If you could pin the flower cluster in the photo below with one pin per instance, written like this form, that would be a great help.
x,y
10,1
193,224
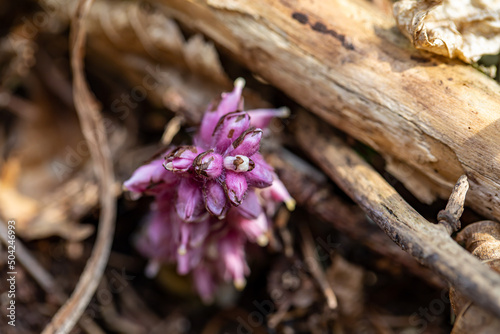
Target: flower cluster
x,y
211,197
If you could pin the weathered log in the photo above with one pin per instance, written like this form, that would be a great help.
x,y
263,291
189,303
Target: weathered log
x,y
430,244
433,119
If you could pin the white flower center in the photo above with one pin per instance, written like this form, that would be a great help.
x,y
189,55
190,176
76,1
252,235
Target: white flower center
x,y
239,163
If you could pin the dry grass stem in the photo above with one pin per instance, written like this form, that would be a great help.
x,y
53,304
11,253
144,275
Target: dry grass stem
x,y
95,134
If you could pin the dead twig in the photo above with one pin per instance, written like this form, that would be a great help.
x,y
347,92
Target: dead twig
x,y
309,187
171,129
314,266
430,244
95,134
450,216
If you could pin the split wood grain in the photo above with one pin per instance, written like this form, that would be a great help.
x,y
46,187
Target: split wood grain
x,y
429,243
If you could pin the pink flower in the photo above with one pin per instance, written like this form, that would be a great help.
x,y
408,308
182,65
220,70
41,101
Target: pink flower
x,y
233,265
150,179
212,197
226,163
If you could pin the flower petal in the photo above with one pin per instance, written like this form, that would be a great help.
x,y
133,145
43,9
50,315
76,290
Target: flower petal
x,y
232,101
232,251
187,257
239,163
230,127
150,242
262,175
235,187
229,102
215,199
255,229
189,204
278,192
204,282
261,118
150,178
251,207
199,233
181,159
208,164
248,143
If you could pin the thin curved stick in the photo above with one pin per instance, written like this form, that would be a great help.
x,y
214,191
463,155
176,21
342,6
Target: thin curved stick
x,y
95,135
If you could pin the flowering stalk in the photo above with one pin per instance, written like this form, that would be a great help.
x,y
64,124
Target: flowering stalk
x,y
212,197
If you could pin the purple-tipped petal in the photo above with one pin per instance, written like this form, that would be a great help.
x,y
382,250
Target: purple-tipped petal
x,y
164,201
204,282
262,175
232,251
156,238
232,101
238,120
239,163
255,229
185,235
278,193
229,102
261,118
192,235
189,204
147,177
248,143
229,128
208,164
181,159
204,137
251,207
199,233
215,199
186,261
235,187
151,237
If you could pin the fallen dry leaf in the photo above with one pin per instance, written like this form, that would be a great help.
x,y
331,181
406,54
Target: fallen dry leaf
x,y
464,29
12,203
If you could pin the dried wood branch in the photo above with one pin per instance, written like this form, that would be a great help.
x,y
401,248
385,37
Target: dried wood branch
x,y
430,244
95,134
432,119
317,272
309,187
450,216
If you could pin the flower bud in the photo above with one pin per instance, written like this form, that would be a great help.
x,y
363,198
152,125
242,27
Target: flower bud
x,y
248,143
239,163
229,128
181,159
208,164
189,204
235,187
215,199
